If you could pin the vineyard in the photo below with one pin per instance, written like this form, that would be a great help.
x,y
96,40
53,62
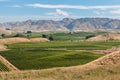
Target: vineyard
x,y
3,67
26,56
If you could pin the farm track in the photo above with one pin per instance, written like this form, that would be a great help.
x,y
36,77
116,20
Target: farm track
x,y
8,64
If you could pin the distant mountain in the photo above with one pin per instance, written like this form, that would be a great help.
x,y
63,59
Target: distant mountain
x,y
67,24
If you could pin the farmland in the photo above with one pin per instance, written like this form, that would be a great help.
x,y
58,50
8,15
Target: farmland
x,y
59,36
45,55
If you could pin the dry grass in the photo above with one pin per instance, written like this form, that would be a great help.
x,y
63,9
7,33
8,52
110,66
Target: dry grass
x,y
110,59
105,37
13,40
98,73
2,48
39,40
20,40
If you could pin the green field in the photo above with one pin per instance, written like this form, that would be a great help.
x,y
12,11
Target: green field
x,y
54,54
74,45
41,59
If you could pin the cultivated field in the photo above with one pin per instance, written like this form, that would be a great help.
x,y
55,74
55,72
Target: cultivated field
x,y
27,56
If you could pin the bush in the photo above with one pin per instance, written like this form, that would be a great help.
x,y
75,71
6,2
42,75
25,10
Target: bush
x,y
51,38
44,36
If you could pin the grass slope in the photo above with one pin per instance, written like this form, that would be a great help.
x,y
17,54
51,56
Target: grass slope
x,y
99,73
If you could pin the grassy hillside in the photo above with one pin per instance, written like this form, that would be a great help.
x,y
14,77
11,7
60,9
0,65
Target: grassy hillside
x,y
99,73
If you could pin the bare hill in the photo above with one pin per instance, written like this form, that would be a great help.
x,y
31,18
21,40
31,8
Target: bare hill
x,y
67,24
105,37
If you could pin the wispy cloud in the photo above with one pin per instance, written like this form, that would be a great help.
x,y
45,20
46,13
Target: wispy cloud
x,y
99,12
16,6
39,17
72,6
58,12
117,11
27,17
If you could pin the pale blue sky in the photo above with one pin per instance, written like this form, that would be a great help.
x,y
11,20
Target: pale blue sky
x,y
20,10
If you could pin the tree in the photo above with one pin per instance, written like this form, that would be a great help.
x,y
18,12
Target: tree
x,y
17,35
51,38
29,32
3,35
87,37
7,28
44,36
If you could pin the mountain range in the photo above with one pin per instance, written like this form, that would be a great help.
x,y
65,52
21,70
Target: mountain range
x,y
67,24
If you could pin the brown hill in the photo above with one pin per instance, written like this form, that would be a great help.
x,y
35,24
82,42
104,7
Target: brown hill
x,y
106,37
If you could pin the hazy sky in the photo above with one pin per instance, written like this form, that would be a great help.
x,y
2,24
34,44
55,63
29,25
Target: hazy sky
x,y
19,10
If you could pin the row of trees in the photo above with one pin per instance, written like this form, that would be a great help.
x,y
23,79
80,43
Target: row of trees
x,y
28,34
